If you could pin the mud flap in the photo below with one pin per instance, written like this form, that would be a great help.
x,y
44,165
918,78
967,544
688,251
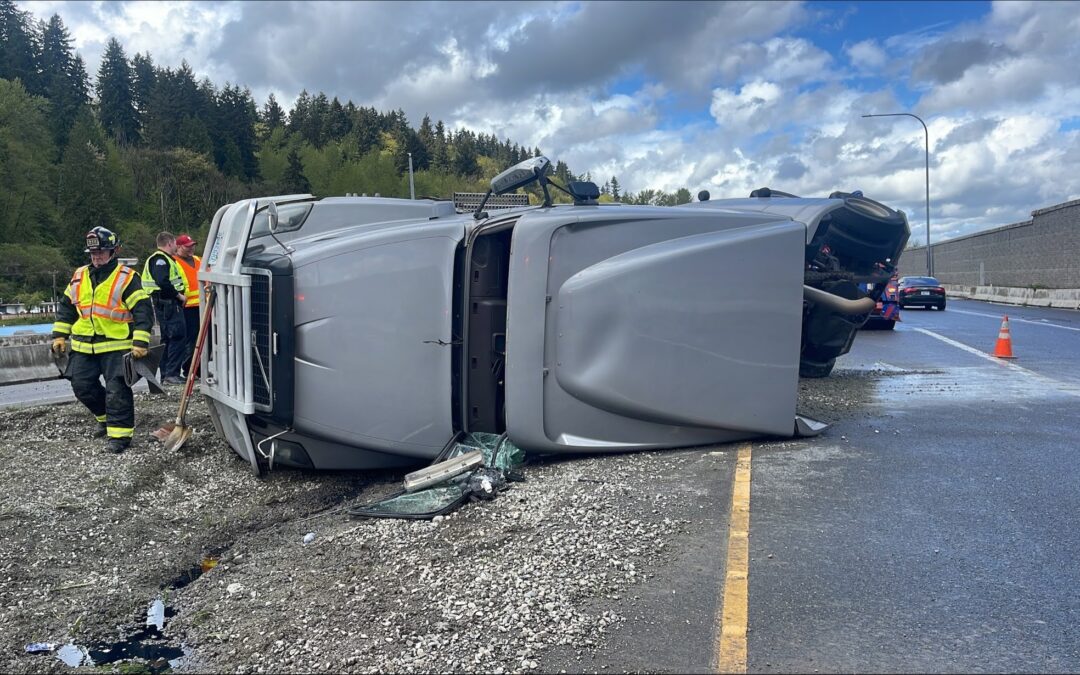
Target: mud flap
x,y
806,427
233,425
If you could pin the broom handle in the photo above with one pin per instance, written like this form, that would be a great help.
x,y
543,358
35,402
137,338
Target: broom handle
x,y
195,358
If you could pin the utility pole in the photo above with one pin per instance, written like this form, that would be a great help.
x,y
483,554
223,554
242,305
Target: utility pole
x,y
929,258
412,187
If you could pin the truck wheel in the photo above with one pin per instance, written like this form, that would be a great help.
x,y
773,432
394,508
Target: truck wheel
x,y
816,370
890,326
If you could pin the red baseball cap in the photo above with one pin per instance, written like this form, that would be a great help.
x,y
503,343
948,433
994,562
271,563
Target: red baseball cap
x,y
185,240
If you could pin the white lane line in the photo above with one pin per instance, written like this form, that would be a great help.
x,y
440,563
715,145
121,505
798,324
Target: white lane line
x,y
1050,382
1015,320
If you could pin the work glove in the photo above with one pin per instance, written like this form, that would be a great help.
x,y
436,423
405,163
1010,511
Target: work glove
x,y
138,352
59,345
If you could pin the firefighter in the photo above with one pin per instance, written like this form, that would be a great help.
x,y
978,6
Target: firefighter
x,y
163,279
189,265
106,313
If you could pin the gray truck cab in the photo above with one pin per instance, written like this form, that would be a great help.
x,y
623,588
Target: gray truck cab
x,y
355,332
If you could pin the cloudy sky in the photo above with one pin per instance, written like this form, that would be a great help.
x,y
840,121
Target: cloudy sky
x,y
719,96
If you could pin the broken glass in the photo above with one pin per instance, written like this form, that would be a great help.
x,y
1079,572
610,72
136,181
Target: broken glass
x,y
501,459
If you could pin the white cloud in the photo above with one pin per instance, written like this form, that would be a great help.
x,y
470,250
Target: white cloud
x,y
866,55
748,110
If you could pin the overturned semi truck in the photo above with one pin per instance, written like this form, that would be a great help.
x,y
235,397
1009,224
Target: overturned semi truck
x,y
357,333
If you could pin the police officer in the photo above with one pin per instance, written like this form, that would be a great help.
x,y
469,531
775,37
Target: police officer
x,y
105,312
163,279
189,265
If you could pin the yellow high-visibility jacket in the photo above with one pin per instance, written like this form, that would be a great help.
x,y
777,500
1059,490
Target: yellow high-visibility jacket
x,y
104,309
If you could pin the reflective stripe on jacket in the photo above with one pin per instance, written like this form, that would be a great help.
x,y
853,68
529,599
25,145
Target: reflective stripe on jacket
x,y
176,276
191,280
103,311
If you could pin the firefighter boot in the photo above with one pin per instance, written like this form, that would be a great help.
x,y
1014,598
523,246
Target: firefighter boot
x,y
100,431
118,445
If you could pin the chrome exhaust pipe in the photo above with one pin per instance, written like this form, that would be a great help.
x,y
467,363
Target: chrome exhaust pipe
x,y
837,303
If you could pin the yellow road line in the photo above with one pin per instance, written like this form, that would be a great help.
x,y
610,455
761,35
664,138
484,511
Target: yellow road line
x,y
731,641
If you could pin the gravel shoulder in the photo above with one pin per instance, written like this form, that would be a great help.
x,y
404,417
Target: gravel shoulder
x,y
538,579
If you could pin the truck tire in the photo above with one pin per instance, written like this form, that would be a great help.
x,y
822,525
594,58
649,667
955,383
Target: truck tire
x,y
816,370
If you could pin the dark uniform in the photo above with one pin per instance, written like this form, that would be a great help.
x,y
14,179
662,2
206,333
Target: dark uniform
x,y
106,313
164,281
190,268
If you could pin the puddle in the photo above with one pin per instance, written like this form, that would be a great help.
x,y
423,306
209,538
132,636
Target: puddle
x,y
147,644
961,385
71,655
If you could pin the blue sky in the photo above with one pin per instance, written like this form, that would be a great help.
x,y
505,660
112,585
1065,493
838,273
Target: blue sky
x,y
719,96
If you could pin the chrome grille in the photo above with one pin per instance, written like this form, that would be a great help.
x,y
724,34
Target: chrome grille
x,y
261,341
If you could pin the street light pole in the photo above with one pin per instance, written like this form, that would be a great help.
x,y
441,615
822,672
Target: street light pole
x,y
929,259
412,187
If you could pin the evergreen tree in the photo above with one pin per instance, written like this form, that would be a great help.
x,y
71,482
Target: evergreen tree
x,y
175,95
293,181
440,156
116,106
63,78
426,132
315,125
18,47
84,187
682,196
365,130
563,175
26,146
143,76
232,119
272,116
337,122
408,141
615,190
193,135
300,111
463,155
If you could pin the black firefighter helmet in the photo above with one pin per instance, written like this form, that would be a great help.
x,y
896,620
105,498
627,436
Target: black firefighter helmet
x,y
101,239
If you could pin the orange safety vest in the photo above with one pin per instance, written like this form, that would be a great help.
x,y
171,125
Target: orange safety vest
x,y
191,277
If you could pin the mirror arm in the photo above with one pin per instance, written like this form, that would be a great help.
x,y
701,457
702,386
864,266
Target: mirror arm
x,y
479,213
543,185
562,188
272,225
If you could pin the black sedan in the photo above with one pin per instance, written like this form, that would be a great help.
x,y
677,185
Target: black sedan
x,y
921,292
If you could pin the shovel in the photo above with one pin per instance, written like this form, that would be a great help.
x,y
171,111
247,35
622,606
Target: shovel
x,y
174,434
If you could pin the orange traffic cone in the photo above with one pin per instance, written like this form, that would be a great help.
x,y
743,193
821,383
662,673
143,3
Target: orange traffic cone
x,y
1003,348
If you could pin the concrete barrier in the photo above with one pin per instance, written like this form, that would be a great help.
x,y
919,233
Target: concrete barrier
x,y
26,358
1061,298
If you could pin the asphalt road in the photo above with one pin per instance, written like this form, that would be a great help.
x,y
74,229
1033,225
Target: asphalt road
x,y
936,533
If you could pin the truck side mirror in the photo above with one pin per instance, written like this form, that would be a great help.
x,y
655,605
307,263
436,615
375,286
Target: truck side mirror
x,y
272,216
